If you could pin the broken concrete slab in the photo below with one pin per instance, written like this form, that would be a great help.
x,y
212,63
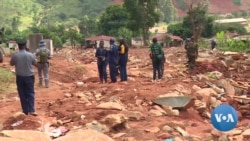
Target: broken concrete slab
x,y
178,102
86,135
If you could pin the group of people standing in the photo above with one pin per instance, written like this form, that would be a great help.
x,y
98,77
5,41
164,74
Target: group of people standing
x,y
116,57
23,60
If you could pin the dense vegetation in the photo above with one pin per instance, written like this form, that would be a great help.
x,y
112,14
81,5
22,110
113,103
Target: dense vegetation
x,y
74,20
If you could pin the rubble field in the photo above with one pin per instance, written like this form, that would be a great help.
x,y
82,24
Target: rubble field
x,y
77,107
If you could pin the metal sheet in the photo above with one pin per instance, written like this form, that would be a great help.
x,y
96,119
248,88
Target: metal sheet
x,y
174,101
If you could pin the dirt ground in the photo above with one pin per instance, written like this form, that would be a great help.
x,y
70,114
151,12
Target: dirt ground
x,y
69,67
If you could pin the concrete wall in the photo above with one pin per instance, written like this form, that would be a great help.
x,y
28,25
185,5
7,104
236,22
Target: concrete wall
x,y
34,41
49,45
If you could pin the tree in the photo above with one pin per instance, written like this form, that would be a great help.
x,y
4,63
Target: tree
x,y
168,10
74,37
113,18
197,11
143,15
87,26
180,30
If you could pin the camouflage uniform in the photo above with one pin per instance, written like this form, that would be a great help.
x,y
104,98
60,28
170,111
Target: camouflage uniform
x,y
192,54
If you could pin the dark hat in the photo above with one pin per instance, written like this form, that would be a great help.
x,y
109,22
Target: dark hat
x,y
42,43
21,42
112,40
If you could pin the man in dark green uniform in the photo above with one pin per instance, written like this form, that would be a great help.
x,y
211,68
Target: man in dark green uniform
x,y
192,53
157,56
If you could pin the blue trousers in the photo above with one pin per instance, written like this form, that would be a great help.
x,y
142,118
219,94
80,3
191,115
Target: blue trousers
x,y
25,88
112,72
102,69
156,68
123,67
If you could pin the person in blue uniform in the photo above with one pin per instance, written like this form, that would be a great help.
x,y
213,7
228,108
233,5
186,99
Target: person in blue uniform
x,y
102,55
113,60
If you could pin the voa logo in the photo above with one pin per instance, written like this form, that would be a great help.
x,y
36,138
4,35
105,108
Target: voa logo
x,y
224,117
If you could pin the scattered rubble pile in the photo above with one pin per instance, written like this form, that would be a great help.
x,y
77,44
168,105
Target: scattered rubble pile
x,y
141,110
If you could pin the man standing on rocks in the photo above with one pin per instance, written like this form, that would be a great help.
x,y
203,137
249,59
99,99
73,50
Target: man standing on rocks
x,y
192,54
43,55
157,57
113,60
102,55
25,79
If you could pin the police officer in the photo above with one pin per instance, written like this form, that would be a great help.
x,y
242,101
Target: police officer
x,y
113,60
123,59
192,53
102,55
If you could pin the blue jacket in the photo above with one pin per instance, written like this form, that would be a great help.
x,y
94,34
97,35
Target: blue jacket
x,y
101,54
113,55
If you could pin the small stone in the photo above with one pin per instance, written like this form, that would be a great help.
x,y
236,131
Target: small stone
x,y
167,128
196,88
79,84
68,95
182,131
152,130
19,116
138,102
156,113
234,132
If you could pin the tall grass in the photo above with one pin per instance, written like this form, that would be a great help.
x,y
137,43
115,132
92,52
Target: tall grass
x,y
7,82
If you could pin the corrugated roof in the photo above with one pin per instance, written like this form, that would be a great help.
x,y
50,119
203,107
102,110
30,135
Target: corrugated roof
x,y
161,37
98,38
231,20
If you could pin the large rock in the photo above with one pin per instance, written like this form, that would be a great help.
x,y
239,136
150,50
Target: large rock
x,y
111,106
26,135
84,135
9,139
227,86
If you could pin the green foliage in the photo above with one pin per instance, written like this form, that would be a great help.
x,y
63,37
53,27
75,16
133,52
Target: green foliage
x,y
125,33
167,10
230,27
179,30
7,81
229,44
143,15
112,19
237,2
87,26
182,4
74,37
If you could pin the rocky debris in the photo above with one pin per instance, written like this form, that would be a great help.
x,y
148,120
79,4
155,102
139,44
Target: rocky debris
x,y
227,86
116,122
95,125
27,135
110,106
134,115
86,135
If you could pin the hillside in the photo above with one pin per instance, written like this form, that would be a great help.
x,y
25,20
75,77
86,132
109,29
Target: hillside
x,y
219,7
25,13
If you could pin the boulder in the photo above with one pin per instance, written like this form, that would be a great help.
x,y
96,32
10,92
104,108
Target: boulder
x,y
27,135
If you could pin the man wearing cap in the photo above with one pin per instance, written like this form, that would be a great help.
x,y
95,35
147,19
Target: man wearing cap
x,y
42,55
25,79
113,60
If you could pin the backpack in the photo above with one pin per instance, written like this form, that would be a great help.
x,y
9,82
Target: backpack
x,y
42,56
156,51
